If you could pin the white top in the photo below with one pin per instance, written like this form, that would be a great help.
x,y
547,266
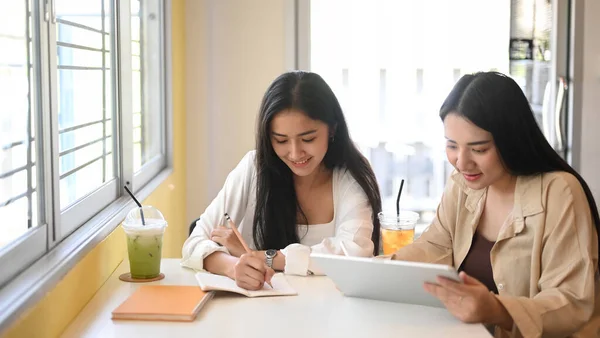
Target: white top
x,y
349,233
319,310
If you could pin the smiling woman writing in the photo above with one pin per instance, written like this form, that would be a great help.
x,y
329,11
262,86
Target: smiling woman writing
x,y
306,188
518,222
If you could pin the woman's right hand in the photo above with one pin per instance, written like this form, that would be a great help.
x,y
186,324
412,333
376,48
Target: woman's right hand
x,y
251,272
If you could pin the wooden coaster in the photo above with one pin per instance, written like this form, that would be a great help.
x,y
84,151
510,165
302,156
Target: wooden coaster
x,y
126,277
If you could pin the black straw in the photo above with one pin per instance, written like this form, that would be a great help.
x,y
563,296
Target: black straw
x,y
398,199
138,204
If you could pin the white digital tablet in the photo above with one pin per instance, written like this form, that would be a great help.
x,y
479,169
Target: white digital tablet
x,y
381,279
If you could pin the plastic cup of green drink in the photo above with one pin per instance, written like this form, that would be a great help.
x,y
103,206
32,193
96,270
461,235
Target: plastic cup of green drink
x,y
144,228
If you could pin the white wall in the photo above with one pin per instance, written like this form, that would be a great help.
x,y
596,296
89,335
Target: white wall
x,y
234,50
590,98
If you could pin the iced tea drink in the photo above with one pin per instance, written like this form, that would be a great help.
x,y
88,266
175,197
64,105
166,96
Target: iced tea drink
x,y
144,242
397,231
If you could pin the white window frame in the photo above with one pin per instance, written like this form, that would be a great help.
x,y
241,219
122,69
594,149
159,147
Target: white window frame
x,y
33,244
155,164
83,209
36,262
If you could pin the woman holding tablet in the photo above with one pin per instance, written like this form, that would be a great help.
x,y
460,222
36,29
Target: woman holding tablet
x,y
516,220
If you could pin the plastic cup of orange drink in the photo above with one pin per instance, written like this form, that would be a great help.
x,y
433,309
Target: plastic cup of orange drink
x,y
397,230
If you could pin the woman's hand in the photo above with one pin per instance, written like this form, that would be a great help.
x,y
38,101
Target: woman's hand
x,y
227,238
471,302
252,272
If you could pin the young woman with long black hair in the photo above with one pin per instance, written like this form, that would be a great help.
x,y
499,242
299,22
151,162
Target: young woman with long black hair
x,y
518,222
306,188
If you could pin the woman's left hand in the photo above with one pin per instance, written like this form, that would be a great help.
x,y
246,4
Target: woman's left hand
x,y
471,301
227,238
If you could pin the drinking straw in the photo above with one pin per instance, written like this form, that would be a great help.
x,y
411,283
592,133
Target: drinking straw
x,y
398,199
136,202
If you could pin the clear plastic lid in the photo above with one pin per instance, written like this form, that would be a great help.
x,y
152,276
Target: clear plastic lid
x,y
391,219
145,219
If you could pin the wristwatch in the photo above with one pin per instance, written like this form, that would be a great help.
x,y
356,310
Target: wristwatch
x,y
269,255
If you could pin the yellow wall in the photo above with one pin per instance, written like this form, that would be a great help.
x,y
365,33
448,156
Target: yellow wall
x,y
234,50
57,309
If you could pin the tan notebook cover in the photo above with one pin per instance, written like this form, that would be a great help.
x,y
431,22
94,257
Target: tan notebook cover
x,y
163,302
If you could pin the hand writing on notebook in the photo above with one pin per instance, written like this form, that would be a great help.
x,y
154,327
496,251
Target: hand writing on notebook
x,y
470,301
227,238
251,272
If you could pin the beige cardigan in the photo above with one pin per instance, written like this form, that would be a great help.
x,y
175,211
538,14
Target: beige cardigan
x,y
544,261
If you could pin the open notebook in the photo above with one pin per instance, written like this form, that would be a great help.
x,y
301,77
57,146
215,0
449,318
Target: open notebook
x,y
163,302
209,282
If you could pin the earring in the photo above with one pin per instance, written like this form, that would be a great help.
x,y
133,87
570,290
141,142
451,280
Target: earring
x,y
332,138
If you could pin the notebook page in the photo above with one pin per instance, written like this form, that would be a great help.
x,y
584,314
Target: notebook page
x,y
209,281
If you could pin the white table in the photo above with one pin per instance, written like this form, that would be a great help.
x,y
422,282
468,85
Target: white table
x,y
319,310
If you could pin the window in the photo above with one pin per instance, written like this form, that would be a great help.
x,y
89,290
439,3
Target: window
x,y
85,81
147,83
392,63
17,164
23,233
84,112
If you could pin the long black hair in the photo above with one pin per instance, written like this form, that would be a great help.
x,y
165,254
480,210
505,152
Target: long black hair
x,y
495,102
277,208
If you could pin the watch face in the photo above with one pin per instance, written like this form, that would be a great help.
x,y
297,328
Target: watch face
x,y
271,253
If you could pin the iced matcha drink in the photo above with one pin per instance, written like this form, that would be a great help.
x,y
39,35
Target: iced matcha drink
x,y
144,243
144,255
